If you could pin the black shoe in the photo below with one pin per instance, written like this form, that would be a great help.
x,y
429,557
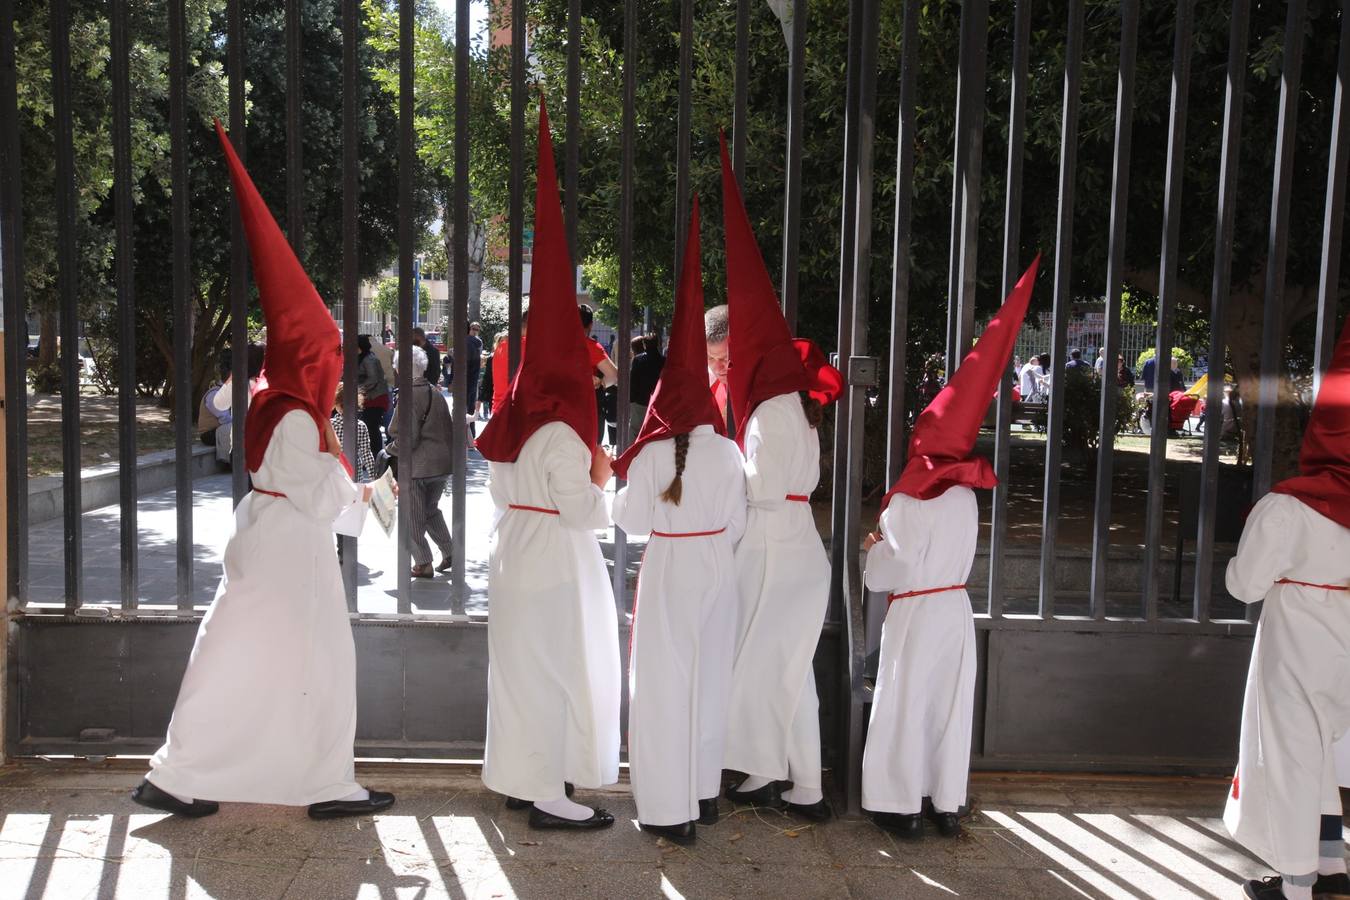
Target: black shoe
x,y
146,794
679,834
1331,887
517,803
708,813
762,796
948,824
1268,888
816,812
339,809
445,564
599,819
907,827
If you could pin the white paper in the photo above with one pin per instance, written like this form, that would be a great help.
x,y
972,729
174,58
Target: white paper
x,y
383,503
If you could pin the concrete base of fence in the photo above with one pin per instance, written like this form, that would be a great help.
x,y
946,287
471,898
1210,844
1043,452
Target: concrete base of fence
x,y
99,485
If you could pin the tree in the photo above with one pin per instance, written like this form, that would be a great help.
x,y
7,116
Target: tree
x,y
385,301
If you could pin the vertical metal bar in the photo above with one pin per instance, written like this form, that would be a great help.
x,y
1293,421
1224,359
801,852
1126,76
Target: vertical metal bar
x,y
792,191
406,162
1167,306
68,294
1234,91
1277,250
1012,241
351,259
515,262
685,117
295,135
182,299
124,259
851,614
627,153
15,320
573,125
972,79
239,269
849,191
1110,392
1068,169
459,430
904,215
965,103
1329,277
740,114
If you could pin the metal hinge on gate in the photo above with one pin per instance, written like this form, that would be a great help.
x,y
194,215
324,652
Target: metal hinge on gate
x,y
864,371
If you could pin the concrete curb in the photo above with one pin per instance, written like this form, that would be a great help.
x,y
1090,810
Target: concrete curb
x,y
99,485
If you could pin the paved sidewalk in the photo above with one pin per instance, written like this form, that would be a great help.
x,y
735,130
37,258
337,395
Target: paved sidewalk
x,y
212,522
67,830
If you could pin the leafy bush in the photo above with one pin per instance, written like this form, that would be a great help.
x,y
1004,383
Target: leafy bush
x,y
1182,356
1082,410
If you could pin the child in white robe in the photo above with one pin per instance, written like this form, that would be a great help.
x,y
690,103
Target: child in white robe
x,y
918,740
686,490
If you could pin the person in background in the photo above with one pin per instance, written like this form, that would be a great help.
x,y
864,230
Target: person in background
x,y
717,333
1099,367
215,423
1029,379
364,464
1076,364
433,373
643,375
605,376
387,336
372,386
1175,381
498,381
427,451
1124,377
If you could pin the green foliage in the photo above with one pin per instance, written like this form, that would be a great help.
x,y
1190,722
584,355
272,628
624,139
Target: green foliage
x,y
1082,412
1182,356
385,301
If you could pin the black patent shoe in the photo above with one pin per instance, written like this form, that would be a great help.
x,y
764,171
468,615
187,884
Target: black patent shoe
x,y
708,813
343,809
816,812
599,819
146,794
1268,888
1331,887
678,834
516,803
907,827
767,795
948,824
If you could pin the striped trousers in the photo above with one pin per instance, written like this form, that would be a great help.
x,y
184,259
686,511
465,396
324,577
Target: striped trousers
x,y
424,515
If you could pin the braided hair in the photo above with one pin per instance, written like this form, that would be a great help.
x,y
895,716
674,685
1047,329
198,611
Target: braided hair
x,y
675,490
815,412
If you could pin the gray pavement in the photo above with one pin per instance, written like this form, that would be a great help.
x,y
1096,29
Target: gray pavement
x,y
212,523
68,830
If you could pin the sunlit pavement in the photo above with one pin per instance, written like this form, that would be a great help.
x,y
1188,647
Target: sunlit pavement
x,y
68,830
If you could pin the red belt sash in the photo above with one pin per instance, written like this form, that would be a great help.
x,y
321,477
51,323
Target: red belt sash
x,y
1325,587
258,490
537,509
891,598
686,534
798,498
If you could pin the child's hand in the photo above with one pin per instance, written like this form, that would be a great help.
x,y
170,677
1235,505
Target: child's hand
x,y
366,492
872,539
602,467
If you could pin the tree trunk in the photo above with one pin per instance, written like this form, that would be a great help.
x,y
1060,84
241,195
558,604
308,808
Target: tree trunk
x,y
48,327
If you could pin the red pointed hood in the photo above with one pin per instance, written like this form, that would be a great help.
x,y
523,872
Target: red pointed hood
x,y
553,383
944,435
1325,458
765,359
303,361
681,400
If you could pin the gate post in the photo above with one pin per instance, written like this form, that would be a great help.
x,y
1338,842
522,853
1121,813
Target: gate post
x,y
6,600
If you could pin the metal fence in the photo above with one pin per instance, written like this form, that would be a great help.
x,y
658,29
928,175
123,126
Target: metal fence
x,y
845,647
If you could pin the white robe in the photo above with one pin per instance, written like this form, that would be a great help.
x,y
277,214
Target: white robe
x,y
918,741
684,622
267,708
1297,702
773,726
553,639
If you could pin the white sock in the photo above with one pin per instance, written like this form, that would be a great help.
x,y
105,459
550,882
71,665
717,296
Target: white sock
x,y
803,796
1297,891
1331,858
752,783
564,808
358,794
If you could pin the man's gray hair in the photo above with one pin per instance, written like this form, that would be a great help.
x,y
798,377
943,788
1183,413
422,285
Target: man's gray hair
x,y
716,324
419,360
